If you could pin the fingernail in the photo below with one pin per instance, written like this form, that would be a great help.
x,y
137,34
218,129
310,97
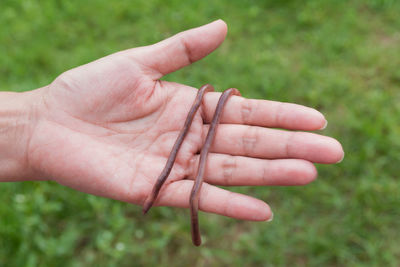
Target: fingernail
x,y
341,159
271,218
326,124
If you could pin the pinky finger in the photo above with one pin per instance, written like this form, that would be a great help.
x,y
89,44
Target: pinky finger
x,y
216,200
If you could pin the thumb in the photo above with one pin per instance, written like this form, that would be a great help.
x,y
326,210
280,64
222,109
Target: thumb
x,y
179,50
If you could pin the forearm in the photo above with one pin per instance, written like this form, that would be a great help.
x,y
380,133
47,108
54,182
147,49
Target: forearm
x,y
18,117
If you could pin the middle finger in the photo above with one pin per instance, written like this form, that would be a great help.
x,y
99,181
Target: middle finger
x,y
259,142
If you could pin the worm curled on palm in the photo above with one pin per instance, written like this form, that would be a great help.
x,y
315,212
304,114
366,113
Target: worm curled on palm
x,y
194,196
148,203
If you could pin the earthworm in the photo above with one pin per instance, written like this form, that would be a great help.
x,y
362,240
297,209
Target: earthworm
x,y
148,203
194,196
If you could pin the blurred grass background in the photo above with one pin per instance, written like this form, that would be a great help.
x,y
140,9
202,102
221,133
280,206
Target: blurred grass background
x,y
341,57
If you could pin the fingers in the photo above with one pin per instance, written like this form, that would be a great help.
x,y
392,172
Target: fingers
x,y
229,170
259,142
179,50
215,200
240,110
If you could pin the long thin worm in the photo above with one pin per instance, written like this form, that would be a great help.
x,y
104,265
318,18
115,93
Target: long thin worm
x,y
175,149
194,196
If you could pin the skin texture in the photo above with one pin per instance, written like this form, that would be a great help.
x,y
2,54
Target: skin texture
x,y
107,128
194,196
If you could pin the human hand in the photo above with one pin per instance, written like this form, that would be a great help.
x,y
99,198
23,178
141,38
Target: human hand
x,y
107,128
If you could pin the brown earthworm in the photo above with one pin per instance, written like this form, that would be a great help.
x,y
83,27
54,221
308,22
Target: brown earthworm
x,y
148,203
194,196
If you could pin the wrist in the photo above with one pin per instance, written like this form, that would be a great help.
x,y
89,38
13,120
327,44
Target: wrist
x,y
18,119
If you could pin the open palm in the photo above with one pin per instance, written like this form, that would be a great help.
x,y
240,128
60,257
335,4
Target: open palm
x,y
107,128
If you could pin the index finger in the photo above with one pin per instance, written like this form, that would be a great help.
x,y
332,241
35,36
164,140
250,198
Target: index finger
x,y
265,113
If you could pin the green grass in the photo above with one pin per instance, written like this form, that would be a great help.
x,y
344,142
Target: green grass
x,y
341,57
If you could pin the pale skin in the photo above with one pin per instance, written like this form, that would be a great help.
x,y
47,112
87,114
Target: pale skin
x,y
107,128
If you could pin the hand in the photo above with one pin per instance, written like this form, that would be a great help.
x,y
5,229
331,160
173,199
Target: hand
x,y
107,128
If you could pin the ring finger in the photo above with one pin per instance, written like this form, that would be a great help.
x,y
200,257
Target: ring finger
x,y
229,170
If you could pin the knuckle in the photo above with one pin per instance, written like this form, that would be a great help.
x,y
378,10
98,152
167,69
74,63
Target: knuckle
x,y
187,51
289,144
279,114
204,196
65,80
229,166
249,139
265,175
247,110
